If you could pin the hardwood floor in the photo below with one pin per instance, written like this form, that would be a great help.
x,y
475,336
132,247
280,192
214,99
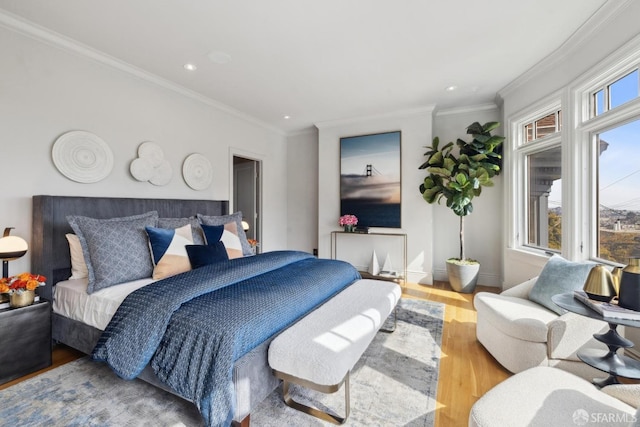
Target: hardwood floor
x,y
467,371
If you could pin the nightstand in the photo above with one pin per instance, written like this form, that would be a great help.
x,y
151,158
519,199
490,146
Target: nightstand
x,y
25,340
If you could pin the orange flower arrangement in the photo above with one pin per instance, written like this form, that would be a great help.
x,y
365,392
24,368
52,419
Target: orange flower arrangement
x,y
21,282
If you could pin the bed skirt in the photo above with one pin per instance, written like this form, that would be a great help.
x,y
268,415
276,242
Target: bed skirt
x,y
252,377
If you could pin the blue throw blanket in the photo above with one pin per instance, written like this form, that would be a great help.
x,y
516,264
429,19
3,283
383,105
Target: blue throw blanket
x,y
193,327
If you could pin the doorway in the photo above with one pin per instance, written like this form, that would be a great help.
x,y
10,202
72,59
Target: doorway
x,y
246,194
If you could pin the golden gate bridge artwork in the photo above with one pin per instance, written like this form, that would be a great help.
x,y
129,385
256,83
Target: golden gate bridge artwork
x,y
370,179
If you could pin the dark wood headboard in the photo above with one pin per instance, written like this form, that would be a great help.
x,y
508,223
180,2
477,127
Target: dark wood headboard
x,y
49,248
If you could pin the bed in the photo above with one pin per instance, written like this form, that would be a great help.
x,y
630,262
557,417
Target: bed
x,y
252,378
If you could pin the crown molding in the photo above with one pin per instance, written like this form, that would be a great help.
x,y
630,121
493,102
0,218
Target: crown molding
x,y
594,25
312,130
51,38
428,109
468,109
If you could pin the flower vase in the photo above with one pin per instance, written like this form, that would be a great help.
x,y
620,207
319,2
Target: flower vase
x,y
349,228
21,299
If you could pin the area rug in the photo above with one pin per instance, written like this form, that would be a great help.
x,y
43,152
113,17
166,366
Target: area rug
x,y
394,384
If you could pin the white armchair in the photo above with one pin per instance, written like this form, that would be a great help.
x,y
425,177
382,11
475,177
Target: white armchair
x,y
521,334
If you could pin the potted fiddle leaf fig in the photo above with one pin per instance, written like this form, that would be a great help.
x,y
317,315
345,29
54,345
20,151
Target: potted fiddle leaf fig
x,y
458,178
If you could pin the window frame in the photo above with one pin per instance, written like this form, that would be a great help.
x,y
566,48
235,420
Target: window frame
x,y
519,149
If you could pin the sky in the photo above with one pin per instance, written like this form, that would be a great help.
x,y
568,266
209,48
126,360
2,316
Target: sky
x,y
381,150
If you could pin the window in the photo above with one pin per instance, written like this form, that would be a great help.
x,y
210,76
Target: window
x,y
618,194
615,94
594,156
542,127
544,208
540,153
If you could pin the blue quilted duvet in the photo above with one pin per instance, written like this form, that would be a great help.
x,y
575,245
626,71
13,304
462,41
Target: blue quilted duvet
x,y
192,327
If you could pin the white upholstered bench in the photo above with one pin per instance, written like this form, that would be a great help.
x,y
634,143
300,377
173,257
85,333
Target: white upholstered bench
x,y
320,350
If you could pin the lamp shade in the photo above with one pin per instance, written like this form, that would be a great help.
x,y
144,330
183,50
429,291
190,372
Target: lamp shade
x,y
245,225
599,284
12,247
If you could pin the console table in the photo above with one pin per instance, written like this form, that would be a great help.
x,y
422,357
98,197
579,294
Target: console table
x,y
337,235
611,363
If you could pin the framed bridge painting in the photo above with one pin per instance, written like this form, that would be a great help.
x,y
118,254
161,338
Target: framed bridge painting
x,y
370,178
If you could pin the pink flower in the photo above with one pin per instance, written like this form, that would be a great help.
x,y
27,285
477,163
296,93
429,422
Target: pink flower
x,y
348,220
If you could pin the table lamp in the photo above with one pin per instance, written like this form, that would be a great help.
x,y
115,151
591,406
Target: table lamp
x,y
11,248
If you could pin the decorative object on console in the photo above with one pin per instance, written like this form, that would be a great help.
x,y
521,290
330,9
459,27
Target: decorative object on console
x,y
197,171
21,288
599,284
629,294
82,156
11,248
458,180
374,268
370,178
348,222
151,165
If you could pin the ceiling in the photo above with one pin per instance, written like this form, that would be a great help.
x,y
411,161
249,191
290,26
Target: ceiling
x,y
319,61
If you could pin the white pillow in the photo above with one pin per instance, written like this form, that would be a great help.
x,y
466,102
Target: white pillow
x,y
78,265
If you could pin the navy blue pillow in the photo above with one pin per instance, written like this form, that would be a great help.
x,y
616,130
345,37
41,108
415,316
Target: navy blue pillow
x,y
201,255
212,233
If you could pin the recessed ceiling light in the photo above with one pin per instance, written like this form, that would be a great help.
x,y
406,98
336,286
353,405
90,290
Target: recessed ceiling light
x,y
190,67
286,117
219,57
451,88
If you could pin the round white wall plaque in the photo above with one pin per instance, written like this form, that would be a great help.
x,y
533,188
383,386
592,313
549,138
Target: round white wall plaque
x,y
82,156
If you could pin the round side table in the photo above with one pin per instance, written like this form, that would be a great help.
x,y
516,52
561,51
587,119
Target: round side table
x,y
611,362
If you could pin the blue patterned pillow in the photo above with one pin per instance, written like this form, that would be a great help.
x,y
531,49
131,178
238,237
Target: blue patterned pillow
x,y
201,255
116,250
168,250
235,218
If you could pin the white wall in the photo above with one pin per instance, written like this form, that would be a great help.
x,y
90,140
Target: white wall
x,y
483,227
302,191
417,221
589,46
46,91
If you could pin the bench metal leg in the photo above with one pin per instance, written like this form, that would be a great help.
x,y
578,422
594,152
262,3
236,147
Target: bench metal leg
x,y
332,418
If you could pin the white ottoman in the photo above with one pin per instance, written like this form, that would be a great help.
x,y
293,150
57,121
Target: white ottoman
x,y
548,397
320,350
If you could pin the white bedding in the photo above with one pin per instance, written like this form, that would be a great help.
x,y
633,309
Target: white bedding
x,y
70,299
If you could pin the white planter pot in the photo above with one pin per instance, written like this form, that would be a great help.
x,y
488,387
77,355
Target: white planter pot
x,y
463,277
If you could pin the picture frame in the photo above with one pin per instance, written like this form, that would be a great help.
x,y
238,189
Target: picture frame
x,y
371,179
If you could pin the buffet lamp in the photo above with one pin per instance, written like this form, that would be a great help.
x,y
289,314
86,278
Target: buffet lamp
x,y
600,284
11,248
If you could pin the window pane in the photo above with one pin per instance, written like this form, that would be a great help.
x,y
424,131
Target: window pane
x,y
546,126
528,129
624,90
544,209
598,99
619,193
